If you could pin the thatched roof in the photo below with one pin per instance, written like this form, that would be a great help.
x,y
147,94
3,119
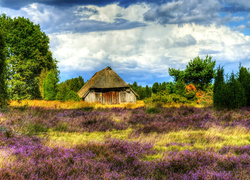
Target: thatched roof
x,y
104,79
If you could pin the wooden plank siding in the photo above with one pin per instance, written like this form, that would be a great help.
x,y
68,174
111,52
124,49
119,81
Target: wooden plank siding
x,y
112,96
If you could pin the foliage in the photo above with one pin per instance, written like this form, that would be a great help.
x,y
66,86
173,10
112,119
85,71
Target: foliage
x,y
155,87
180,87
143,92
3,74
236,93
75,84
50,86
61,92
165,97
231,93
219,97
199,72
42,77
72,96
67,91
27,55
244,79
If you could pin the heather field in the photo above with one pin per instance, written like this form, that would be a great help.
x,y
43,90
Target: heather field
x,y
124,143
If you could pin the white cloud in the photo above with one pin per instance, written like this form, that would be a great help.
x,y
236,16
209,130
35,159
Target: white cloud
x,y
237,18
143,52
185,11
113,11
152,49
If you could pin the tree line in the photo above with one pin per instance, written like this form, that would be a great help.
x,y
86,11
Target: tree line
x,y
232,91
28,71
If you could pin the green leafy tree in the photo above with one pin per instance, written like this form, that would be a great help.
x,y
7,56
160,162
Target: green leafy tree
x,y
61,91
170,87
65,93
75,84
3,74
181,87
72,96
50,86
199,72
42,77
27,55
163,86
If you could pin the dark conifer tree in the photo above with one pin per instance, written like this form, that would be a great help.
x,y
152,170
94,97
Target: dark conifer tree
x,y
147,92
236,94
155,87
244,79
219,86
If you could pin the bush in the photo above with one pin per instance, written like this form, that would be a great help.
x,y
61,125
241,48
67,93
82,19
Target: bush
x,y
72,96
164,97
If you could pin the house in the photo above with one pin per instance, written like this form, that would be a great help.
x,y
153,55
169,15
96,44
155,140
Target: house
x,y
107,87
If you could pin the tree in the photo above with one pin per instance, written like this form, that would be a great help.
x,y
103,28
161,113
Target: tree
x,y
163,86
72,96
148,92
42,77
27,55
236,96
244,79
199,72
50,86
170,87
75,84
219,86
3,74
230,93
61,91
155,87
181,87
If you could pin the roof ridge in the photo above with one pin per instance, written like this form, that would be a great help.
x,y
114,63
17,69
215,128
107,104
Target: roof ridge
x,y
103,79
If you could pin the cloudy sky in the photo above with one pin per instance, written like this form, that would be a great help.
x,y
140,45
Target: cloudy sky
x,y
139,39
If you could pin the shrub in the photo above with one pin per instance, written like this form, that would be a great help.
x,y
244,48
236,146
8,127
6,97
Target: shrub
x,y
50,86
72,96
164,97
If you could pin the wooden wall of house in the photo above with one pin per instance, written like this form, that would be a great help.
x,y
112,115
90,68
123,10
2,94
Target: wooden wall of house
x,y
111,97
127,97
91,97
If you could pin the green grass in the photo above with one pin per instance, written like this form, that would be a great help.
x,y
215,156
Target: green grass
x,y
69,139
213,138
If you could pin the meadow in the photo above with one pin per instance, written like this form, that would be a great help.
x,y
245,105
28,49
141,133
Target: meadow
x,y
85,141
